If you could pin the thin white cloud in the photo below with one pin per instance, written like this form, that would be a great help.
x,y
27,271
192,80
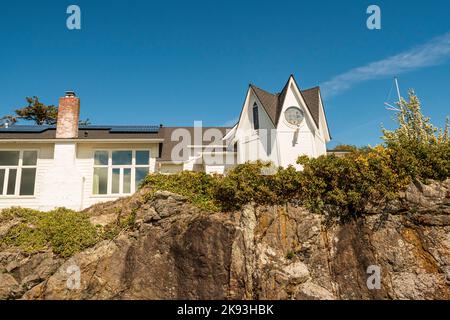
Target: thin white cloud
x,y
432,53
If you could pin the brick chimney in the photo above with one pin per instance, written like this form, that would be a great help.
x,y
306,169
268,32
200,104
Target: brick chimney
x,y
68,116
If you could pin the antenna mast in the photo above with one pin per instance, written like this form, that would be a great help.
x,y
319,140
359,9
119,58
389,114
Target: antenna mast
x,y
389,106
398,89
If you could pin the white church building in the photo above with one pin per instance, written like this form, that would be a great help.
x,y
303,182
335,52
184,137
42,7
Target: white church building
x,y
75,166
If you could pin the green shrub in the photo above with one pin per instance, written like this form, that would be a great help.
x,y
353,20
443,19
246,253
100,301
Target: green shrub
x,y
22,213
243,184
68,231
345,147
28,239
419,149
344,186
65,231
257,182
198,187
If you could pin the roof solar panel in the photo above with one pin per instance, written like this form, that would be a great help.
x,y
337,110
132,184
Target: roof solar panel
x,y
131,129
94,127
26,128
112,129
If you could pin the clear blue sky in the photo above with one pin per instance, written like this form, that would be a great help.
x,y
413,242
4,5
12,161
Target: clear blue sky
x,y
173,62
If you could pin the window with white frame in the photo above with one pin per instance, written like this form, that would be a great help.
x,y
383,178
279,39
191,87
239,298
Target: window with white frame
x,y
119,172
18,172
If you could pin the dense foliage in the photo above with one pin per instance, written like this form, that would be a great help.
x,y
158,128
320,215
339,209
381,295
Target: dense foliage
x,y
418,147
243,184
198,187
64,231
333,185
337,186
344,186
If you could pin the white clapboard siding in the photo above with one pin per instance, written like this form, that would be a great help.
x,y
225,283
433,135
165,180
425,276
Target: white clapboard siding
x,y
44,163
85,165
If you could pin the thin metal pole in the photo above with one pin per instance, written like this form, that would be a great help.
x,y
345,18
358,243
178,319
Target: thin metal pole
x,y
398,89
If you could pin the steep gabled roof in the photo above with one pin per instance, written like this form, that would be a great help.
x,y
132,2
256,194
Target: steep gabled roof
x,y
281,97
270,102
312,99
273,103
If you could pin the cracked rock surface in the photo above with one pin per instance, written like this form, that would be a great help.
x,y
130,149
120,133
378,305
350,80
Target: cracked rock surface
x,y
177,251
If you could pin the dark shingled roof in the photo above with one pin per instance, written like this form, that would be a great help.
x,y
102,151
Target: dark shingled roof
x,y
312,99
273,103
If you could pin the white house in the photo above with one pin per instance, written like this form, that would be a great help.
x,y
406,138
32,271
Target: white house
x,y
280,127
44,167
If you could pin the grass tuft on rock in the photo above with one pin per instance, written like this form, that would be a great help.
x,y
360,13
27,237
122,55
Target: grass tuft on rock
x,y
65,231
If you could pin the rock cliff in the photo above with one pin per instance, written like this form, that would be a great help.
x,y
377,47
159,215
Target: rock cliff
x,y
177,251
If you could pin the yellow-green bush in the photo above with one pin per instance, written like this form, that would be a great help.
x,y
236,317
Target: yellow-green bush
x,y
198,187
255,182
418,148
333,185
344,186
63,230
243,184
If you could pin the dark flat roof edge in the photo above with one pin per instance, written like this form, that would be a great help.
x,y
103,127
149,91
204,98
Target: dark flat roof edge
x,y
97,132
111,128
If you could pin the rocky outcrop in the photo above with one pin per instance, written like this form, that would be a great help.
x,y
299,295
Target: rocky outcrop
x,y
177,251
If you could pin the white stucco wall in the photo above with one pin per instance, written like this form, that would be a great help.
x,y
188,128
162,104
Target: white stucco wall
x,y
64,174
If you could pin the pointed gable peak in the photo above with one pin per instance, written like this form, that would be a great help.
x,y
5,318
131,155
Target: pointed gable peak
x,y
282,97
268,101
273,103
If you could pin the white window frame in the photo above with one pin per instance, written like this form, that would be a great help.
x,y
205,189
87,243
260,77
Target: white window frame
x,y
110,168
19,168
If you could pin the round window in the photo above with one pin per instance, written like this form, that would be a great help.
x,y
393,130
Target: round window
x,y
294,115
